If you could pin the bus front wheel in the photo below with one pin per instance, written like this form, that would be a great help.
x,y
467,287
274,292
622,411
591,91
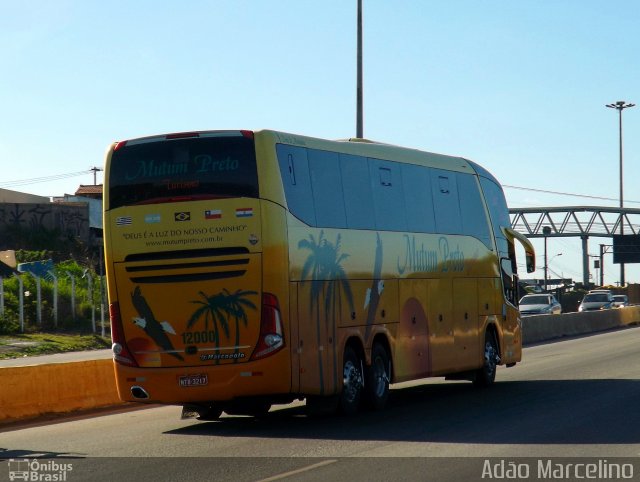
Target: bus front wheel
x,y
352,382
486,375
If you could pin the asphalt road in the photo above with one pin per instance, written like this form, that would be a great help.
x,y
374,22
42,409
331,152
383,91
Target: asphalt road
x,y
571,399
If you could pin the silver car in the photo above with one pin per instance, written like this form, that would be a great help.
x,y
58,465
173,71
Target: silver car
x,y
543,304
594,301
620,301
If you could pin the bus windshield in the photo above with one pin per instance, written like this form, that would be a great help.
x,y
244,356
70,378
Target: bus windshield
x,y
163,170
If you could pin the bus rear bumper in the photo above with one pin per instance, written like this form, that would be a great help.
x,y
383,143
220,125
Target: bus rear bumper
x,y
203,384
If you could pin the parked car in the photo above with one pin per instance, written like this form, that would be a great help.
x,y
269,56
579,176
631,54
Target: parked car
x,y
544,304
599,300
620,301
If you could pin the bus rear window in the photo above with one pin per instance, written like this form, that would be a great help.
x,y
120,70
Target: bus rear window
x,y
183,169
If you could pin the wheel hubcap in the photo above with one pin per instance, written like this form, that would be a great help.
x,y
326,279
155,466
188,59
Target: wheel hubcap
x,y
381,377
490,358
352,381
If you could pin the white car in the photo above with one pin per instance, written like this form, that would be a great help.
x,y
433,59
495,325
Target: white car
x,y
543,304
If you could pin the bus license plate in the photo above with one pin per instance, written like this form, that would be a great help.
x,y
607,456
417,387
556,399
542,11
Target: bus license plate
x,y
193,380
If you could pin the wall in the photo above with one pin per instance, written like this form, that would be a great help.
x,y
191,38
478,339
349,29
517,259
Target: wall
x,y
68,219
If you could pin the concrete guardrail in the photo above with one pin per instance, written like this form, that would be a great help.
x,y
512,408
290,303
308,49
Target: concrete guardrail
x,y
31,391
548,327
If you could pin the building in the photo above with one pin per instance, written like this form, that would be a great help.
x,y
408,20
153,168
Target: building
x,y
78,215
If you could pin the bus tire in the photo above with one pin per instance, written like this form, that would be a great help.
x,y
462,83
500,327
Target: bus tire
x,y
252,408
376,387
352,382
486,375
209,413
321,406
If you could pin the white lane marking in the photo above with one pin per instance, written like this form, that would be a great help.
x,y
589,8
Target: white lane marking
x,y
298,471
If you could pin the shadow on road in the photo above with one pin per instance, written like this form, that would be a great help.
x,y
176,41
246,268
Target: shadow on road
x,y
521,412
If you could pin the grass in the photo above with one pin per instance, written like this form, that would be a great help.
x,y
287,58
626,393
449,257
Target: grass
x,y
31,344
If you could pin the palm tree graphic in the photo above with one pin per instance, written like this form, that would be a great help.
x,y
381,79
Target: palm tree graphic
x,y
235,304
212,308
328,280
218,308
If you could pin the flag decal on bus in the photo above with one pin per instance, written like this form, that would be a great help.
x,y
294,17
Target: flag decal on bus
x,y
183,216
213,214
244,212
123,221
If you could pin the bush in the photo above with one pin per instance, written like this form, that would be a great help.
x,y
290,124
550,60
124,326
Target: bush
x,y
8,324
82,321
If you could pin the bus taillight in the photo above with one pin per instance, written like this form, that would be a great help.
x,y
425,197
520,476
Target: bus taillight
x,y
182,135
120,350
120,145
271,339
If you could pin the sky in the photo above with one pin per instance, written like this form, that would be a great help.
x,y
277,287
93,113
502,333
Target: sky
x,y
518,86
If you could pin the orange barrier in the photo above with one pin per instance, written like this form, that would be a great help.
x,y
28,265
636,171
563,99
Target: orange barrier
x,y
30,391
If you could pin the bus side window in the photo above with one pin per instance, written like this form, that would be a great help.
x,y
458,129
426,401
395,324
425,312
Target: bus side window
x,y
474,217
418,201
294,171
326,183
445,202
356,188
388,197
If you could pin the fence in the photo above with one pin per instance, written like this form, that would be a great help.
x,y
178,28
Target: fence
x,y
75,293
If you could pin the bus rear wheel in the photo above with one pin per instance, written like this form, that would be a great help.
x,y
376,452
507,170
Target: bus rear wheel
x,y
209,413
377,380
352,382
486,375
252,408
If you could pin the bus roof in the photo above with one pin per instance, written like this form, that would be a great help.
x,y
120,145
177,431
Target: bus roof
x,y
354,146
369,148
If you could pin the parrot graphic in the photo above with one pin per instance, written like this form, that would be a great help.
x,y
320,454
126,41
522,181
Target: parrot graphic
x,y
156,330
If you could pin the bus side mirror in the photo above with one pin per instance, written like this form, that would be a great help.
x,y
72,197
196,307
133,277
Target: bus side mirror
x,y
531,262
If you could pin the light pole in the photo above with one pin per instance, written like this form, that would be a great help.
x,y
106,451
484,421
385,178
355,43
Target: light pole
x,y
546,231
359,121
550,260
620,106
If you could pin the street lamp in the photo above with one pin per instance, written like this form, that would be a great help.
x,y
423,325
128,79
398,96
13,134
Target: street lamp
x,y
546,231
554,257
620,106
359,95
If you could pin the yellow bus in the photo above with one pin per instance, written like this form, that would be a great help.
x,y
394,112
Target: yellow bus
x,y
247,268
